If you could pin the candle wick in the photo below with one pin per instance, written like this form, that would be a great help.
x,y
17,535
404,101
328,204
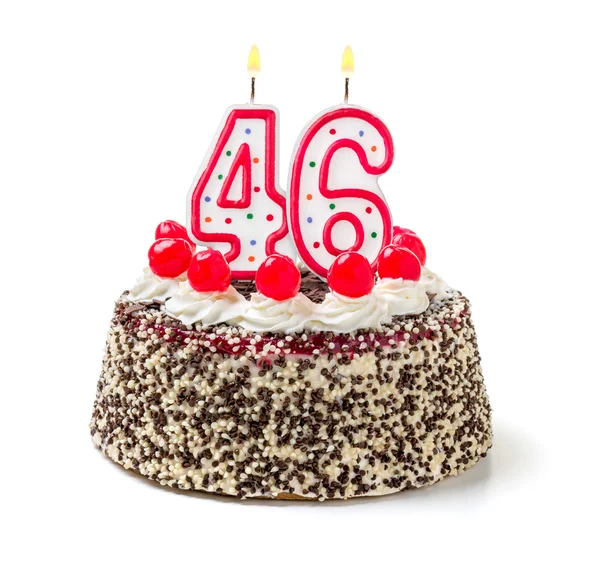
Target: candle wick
x,y
346,89
252,89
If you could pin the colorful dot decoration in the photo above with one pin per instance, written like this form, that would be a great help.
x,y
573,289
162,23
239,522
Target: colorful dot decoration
x,y
309,196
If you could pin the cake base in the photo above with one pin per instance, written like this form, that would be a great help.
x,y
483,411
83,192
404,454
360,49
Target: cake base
x,y
309,416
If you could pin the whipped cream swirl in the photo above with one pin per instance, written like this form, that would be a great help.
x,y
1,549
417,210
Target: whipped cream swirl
x,y
401,297
263,314
208,308
150,287
434,285
337,313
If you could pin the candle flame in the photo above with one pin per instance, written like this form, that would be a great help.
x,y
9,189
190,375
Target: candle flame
x,y
253,61
347,62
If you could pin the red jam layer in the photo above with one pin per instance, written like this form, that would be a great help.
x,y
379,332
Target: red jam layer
x,y
305,343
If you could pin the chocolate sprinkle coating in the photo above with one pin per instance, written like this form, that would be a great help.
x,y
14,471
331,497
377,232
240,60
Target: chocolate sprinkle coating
x,y
309,415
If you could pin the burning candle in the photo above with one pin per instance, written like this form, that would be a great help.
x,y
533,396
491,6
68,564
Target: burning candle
x,y
335,203
235,204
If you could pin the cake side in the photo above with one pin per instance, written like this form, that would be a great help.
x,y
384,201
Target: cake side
x,y
317,416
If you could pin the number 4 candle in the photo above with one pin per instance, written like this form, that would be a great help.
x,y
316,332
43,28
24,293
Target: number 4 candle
x,y
335,203
235,205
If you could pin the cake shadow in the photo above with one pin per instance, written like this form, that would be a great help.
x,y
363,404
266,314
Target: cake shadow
x,y
511,457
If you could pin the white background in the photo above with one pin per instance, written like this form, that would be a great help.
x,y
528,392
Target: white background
x,y
106,110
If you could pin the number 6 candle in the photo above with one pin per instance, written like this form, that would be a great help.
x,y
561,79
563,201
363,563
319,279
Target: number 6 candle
x,y
235,205
335,203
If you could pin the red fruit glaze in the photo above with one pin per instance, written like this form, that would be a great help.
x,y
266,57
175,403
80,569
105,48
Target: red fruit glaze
x,y
209,272
400,230
172,229
397,262
344,343
413,243
278,278
351,275
169,257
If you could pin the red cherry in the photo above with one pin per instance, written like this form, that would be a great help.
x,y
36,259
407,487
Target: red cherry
x,y
400,230
169,257
209,272
278,277
397,262
351,275
172,229
413,243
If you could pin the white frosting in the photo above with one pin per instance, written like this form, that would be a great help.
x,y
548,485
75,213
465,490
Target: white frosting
x,y
150,287
263,314
336,313
208,308
401,297
341,314
434,285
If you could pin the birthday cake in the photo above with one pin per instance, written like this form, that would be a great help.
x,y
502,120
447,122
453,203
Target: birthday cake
x,y
323,361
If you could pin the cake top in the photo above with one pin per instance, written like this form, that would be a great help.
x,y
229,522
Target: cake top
x,y
323,257
197,289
